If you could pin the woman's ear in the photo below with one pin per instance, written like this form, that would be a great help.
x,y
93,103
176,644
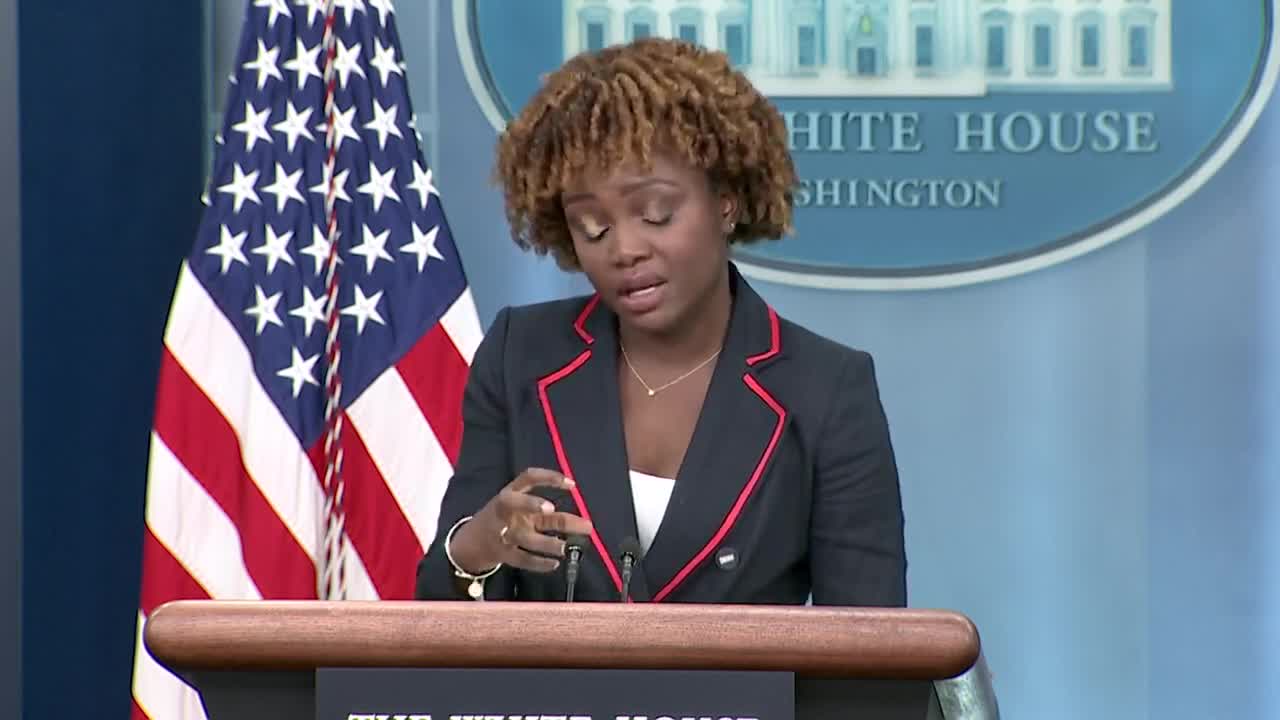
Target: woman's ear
x,y
728,209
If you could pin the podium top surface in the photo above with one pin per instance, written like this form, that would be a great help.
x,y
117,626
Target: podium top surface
x,y
826,641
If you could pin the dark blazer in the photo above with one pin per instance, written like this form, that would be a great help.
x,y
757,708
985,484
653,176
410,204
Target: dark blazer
x,y
789,486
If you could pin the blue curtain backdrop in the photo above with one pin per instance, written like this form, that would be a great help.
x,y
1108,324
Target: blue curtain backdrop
x,y
1090,453
111,107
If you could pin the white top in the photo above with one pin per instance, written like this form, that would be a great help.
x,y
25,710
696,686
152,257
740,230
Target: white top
x,y
650,494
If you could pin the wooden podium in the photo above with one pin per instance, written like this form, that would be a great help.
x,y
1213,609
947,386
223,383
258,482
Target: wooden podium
x,y
260,659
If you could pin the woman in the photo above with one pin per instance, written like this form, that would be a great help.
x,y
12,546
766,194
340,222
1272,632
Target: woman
x,y
734,456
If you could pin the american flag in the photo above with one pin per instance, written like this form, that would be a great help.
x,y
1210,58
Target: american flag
x,y
308,412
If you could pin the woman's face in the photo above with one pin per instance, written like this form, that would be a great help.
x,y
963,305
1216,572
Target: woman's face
x,y
653,243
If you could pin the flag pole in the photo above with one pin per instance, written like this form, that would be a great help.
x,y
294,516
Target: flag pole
x,y
332,565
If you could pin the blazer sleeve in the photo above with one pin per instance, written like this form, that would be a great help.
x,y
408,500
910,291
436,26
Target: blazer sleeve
x,y
482,470
857,552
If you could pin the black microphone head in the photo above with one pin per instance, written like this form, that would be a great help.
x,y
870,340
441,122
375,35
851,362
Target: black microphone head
x,y
576,542
631,546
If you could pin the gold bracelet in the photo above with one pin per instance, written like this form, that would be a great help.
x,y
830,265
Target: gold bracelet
x,y
476,588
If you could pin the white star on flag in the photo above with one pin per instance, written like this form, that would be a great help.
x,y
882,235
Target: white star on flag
x,y
413,125
380,186
254,125
343,126
242,187
265,64
294,124
315,9
264,310
364,308
423,245
319,248
373,248
276,9
384,60
311,310
285,187
230,248
339,185
275,248
347,62
384,8
384,123
350,6
422,184
305,62
300,371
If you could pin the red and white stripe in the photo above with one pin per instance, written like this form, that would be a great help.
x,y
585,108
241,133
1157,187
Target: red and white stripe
x,y
235,507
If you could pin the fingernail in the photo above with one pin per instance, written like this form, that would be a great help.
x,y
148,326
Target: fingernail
x,y
548,508
569,482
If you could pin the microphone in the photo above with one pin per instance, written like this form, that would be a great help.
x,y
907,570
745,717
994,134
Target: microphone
x,y
631,552
573,549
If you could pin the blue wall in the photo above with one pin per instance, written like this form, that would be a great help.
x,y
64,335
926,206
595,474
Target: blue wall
x,y
111,121
1212,331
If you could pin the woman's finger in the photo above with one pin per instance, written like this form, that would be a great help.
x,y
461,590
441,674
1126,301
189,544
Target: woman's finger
x,y
539,477
524,560
562,522
530,539
515,504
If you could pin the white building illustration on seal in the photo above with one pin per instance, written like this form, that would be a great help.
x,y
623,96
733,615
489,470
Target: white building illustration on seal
x,y
845,48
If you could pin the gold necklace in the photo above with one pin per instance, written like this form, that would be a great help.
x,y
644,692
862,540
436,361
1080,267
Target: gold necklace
x,y
654,391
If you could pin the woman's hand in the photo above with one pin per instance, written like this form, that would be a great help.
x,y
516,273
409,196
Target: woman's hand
x,y
513,523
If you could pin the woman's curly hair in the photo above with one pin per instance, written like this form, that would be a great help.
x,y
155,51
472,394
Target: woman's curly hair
x,y
611,106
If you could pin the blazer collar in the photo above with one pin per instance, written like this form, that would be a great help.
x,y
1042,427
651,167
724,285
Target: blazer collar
x,y
732,443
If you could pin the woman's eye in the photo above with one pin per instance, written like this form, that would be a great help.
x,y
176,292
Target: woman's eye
x,y
658,220
596,235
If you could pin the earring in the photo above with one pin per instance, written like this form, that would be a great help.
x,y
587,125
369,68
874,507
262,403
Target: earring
x,y
729,226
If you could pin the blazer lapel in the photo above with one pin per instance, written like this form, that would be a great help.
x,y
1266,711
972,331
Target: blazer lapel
x,y
584,416
732,444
